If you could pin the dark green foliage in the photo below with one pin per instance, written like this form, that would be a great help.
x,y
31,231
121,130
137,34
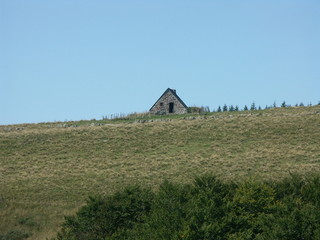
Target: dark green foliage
x,y
225,108
167,216
102,217
245,108
219,109
253,107
206,209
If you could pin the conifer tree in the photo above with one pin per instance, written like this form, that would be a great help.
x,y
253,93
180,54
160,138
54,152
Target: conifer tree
x,y
219,109
253,107
245,108
284,104
236,108
274,104
231,108
225,108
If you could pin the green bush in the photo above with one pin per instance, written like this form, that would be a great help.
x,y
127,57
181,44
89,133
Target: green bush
x,y
206,209
102,217
165,220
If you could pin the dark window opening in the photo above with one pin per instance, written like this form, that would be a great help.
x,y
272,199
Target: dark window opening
x,y
171,106
161,104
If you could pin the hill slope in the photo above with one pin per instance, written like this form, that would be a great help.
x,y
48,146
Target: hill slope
x,y
48,170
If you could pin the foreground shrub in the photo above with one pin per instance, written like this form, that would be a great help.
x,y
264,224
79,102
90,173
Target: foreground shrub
x,y
206,209
102,217
165,220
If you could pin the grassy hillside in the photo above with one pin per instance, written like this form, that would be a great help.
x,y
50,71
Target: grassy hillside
x,y
47,170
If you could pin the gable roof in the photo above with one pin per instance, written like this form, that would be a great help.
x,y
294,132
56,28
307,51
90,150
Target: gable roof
x,y
174,94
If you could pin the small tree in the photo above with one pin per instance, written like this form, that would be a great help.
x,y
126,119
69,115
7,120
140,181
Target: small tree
x,y
231,108
245,108
225,108
253,107
236,108
219,109
284,104
274,104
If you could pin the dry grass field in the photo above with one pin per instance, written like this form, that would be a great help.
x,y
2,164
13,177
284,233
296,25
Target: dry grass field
x,y
48,170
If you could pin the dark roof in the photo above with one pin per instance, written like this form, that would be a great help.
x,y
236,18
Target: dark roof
x,y
174,94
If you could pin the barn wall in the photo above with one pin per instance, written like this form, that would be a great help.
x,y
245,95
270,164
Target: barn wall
x,y
164,109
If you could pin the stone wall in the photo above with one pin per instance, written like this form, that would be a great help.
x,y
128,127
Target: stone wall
x,y
162,106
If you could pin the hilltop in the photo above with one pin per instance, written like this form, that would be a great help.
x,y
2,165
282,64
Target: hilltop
x,y
48,170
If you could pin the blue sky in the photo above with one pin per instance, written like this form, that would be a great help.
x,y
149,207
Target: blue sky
x,y
73,59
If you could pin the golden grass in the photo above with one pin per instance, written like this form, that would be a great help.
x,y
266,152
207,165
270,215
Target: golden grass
x,y
48,171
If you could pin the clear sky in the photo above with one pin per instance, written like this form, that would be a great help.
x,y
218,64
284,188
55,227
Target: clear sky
x,y
74,59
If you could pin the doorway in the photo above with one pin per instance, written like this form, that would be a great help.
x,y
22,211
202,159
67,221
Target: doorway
x,y
171,106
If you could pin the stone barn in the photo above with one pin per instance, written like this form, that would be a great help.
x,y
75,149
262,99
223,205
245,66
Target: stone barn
x,y
169,103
